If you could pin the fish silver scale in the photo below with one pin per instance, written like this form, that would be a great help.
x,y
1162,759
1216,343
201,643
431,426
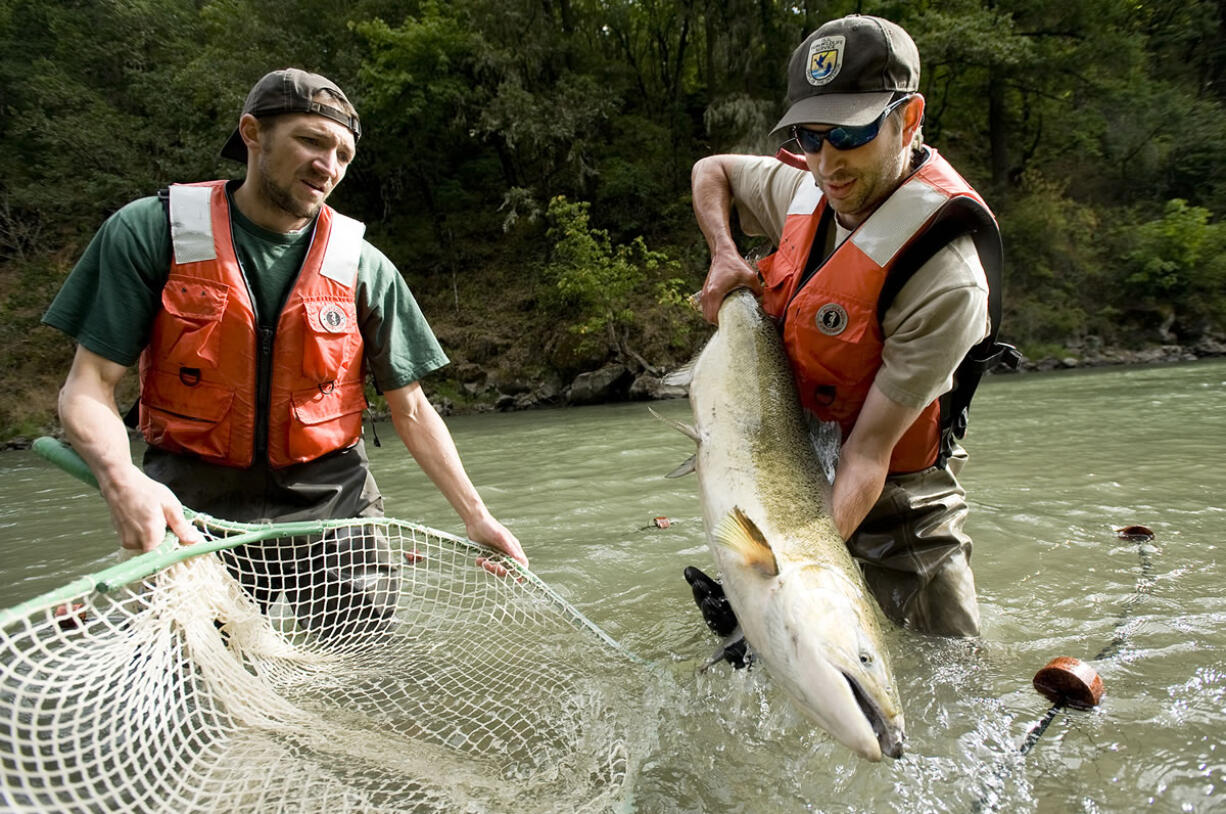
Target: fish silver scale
x,y
755,454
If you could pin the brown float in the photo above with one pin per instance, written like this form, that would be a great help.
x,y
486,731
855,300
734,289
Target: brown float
x,y
1069,681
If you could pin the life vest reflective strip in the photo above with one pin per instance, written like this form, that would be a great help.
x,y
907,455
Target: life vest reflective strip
x,y
200,371
830,322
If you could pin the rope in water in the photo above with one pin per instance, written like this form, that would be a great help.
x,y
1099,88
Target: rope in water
x,y
1120,632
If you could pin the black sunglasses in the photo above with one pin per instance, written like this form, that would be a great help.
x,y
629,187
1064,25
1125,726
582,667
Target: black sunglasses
x,y
843,138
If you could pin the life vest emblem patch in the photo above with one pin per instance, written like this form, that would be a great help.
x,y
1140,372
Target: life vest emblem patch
x,y
831,319
825,59
332,318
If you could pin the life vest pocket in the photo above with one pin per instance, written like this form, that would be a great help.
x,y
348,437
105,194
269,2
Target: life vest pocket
x,y
776,286
326,418
834,345
191,314
331,326
182,417
836,332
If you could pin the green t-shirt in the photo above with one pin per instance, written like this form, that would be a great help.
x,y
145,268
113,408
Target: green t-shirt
x,y
108,302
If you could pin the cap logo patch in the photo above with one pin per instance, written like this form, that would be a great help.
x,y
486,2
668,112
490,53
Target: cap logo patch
x,y
831,319
332,318
825,59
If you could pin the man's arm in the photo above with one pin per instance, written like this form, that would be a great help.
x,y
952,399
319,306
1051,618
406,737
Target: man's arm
x,y
426,437
141,508
711,184
864,459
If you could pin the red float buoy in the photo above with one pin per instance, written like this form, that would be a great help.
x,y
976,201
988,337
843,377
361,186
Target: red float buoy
x,y
1067,680
1139,534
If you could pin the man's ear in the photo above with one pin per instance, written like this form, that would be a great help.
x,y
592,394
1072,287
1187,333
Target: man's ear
x,y
249,129
912,117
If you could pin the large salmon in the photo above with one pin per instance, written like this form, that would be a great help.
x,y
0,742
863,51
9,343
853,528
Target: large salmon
x,y
799,596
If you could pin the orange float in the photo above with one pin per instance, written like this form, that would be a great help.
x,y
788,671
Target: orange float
x,y
1066,680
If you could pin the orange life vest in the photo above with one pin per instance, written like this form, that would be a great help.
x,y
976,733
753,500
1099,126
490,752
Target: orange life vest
x,y
831,321
202,375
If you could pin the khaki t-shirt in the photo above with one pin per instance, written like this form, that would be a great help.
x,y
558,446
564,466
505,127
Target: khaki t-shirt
x,y
940,314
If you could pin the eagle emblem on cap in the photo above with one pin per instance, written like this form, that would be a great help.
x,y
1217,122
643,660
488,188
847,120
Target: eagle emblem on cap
x,y
825,59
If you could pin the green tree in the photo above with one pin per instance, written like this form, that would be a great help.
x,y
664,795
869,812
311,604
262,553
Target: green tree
x,y
1175,271
598,285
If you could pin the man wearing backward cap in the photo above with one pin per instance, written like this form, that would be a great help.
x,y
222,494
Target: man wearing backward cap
x,y
255,311
885,286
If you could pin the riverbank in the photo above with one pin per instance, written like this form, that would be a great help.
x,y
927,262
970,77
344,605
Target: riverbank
x,y
622,383
615,383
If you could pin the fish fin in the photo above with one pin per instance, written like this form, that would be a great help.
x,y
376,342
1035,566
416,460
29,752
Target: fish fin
x,y
740,535
687,430
712,601
682,376
827,439
687,466
732,649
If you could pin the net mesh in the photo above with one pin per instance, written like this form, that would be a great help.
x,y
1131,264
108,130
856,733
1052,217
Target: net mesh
x,y
373,666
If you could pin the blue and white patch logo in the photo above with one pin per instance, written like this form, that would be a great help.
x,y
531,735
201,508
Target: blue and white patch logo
x,y
825,59
831,319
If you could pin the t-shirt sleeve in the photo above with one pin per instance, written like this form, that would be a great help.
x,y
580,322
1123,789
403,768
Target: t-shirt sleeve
x,y
762,190
939,315
400,347
109,300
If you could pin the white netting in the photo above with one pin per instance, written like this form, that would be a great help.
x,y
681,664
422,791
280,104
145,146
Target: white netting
x,y
375,667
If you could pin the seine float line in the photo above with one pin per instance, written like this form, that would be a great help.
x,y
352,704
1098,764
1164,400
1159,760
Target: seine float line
x,y
1120,635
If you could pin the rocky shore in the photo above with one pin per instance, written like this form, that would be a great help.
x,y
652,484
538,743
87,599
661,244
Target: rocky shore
x,y
484,393
618,383
1092,354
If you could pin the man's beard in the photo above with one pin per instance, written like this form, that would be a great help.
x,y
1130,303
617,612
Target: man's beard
x,y
280,197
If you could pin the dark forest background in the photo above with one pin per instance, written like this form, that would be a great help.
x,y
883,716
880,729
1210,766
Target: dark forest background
x,y
526,162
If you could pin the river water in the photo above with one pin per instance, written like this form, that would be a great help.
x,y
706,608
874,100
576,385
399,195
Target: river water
x,y
1059,462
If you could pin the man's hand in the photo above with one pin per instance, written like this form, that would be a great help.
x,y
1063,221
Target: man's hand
x,y
728,272
142,509
427,439
490,532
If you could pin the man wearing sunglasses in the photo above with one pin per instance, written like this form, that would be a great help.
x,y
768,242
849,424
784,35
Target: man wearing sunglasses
x,y
880,287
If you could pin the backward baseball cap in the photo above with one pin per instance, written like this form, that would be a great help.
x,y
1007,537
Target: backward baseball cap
x,y
291,90
847,71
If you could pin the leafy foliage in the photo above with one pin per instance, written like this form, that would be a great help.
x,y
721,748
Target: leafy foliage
x,y
1176,266
594,283
524,153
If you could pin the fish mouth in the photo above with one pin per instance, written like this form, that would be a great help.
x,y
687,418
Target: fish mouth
x,y
890,743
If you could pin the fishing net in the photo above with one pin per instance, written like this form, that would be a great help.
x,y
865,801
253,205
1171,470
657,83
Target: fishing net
x,y
363,665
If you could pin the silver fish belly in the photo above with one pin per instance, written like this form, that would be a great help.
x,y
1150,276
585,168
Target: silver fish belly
x,y
799,596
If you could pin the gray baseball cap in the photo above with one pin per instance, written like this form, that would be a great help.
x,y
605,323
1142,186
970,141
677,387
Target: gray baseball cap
x,y
291,90
847,71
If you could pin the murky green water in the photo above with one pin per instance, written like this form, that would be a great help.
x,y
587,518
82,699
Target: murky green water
x,y
1058,462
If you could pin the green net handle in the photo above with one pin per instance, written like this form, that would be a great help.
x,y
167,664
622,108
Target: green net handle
x,y
66,458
